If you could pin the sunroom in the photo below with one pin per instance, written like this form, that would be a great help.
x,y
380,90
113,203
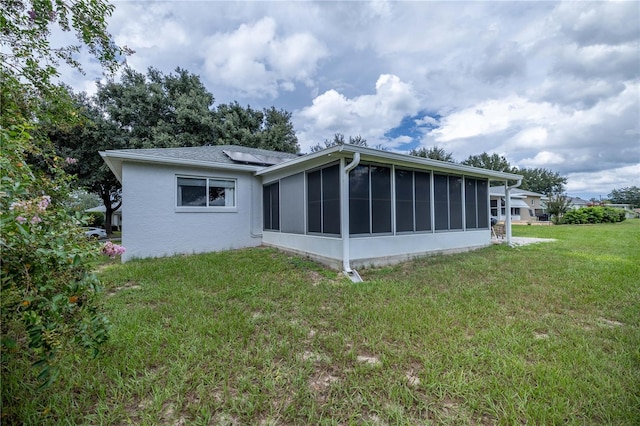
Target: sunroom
x,y
350,206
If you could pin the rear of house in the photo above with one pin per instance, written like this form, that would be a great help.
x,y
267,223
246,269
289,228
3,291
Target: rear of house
x,y
346,206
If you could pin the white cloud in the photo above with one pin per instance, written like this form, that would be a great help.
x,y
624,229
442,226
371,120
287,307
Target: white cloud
x,y
255,60
602,183
547,84
367,115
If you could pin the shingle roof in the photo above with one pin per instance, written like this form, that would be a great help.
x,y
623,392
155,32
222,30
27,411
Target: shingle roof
x,y
212,154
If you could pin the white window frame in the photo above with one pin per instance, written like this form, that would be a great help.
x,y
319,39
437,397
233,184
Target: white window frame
x,y
208,208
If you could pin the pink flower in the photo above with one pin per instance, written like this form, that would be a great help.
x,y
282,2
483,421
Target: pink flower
x,y
44,203
35,220
21,219
112,250
18,205
71,160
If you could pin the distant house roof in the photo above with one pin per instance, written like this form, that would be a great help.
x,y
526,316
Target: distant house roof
x,y
577,201
515,192
103,209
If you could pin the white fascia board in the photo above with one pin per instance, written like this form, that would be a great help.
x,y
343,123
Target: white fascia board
x,y
385,157
114,160
114,164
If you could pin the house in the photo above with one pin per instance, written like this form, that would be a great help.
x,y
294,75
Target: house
x,y
525,206
629,212
346,206
576,203
116,216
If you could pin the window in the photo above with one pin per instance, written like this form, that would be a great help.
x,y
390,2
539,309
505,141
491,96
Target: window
x,y
271,206
413,201
370,200
206,192
323,200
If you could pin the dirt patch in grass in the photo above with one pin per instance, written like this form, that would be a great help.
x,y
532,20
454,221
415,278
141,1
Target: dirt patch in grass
x,y
129,285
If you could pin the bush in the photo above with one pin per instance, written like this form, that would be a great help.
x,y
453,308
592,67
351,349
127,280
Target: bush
x,y
50,298
595,214
95,219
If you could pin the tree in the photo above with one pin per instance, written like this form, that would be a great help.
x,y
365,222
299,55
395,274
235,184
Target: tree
x,y
270,128
49,298
82,141
157,110
338,139
26,27
627,195
490,162
434,153
557,205
542,181
278,133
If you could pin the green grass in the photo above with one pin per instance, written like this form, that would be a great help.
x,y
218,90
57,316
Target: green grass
x,y
540,334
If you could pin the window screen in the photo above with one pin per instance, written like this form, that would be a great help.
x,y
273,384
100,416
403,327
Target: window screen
x,y
441,201
271,206
482,196
323,200
380,199
470,203
359,218
455,202
404,200
423,201
314,201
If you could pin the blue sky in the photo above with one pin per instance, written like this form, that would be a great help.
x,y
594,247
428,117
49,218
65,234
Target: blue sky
x,y
546,84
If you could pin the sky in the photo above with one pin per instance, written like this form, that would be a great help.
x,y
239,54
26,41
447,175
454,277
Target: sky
x,y
545,84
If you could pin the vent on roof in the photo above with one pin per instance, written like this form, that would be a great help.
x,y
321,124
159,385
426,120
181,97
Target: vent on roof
x,y
244,157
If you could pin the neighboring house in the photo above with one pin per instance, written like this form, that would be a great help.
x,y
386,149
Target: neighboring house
x,y
345,206
576,203
116,216
525,206
629,212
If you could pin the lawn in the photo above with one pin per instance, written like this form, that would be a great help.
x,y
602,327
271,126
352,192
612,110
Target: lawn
x,y
540,334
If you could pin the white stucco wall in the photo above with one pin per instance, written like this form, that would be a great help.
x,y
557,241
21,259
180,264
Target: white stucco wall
x,y
379,250
327,250
389,249
154,227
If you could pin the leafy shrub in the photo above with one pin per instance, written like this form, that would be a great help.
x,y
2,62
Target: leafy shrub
x,y
95,219
50,299
595,214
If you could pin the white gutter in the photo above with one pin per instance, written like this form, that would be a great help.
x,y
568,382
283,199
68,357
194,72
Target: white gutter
x,y
344,216
507,206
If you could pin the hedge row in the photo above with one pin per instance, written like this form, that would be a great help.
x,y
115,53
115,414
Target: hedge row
x,y
594,215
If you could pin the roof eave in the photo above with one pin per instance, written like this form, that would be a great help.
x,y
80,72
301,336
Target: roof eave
x,y
370,154
114,160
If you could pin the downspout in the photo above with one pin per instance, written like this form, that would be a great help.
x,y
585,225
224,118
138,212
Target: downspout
x,y
507,195
344,216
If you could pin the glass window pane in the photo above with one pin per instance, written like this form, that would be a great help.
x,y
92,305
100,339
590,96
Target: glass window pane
x,y
192,192
359,200
314,200
404,200
221,193
380,199
470,204
423,201
331,200
455,202
440,198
